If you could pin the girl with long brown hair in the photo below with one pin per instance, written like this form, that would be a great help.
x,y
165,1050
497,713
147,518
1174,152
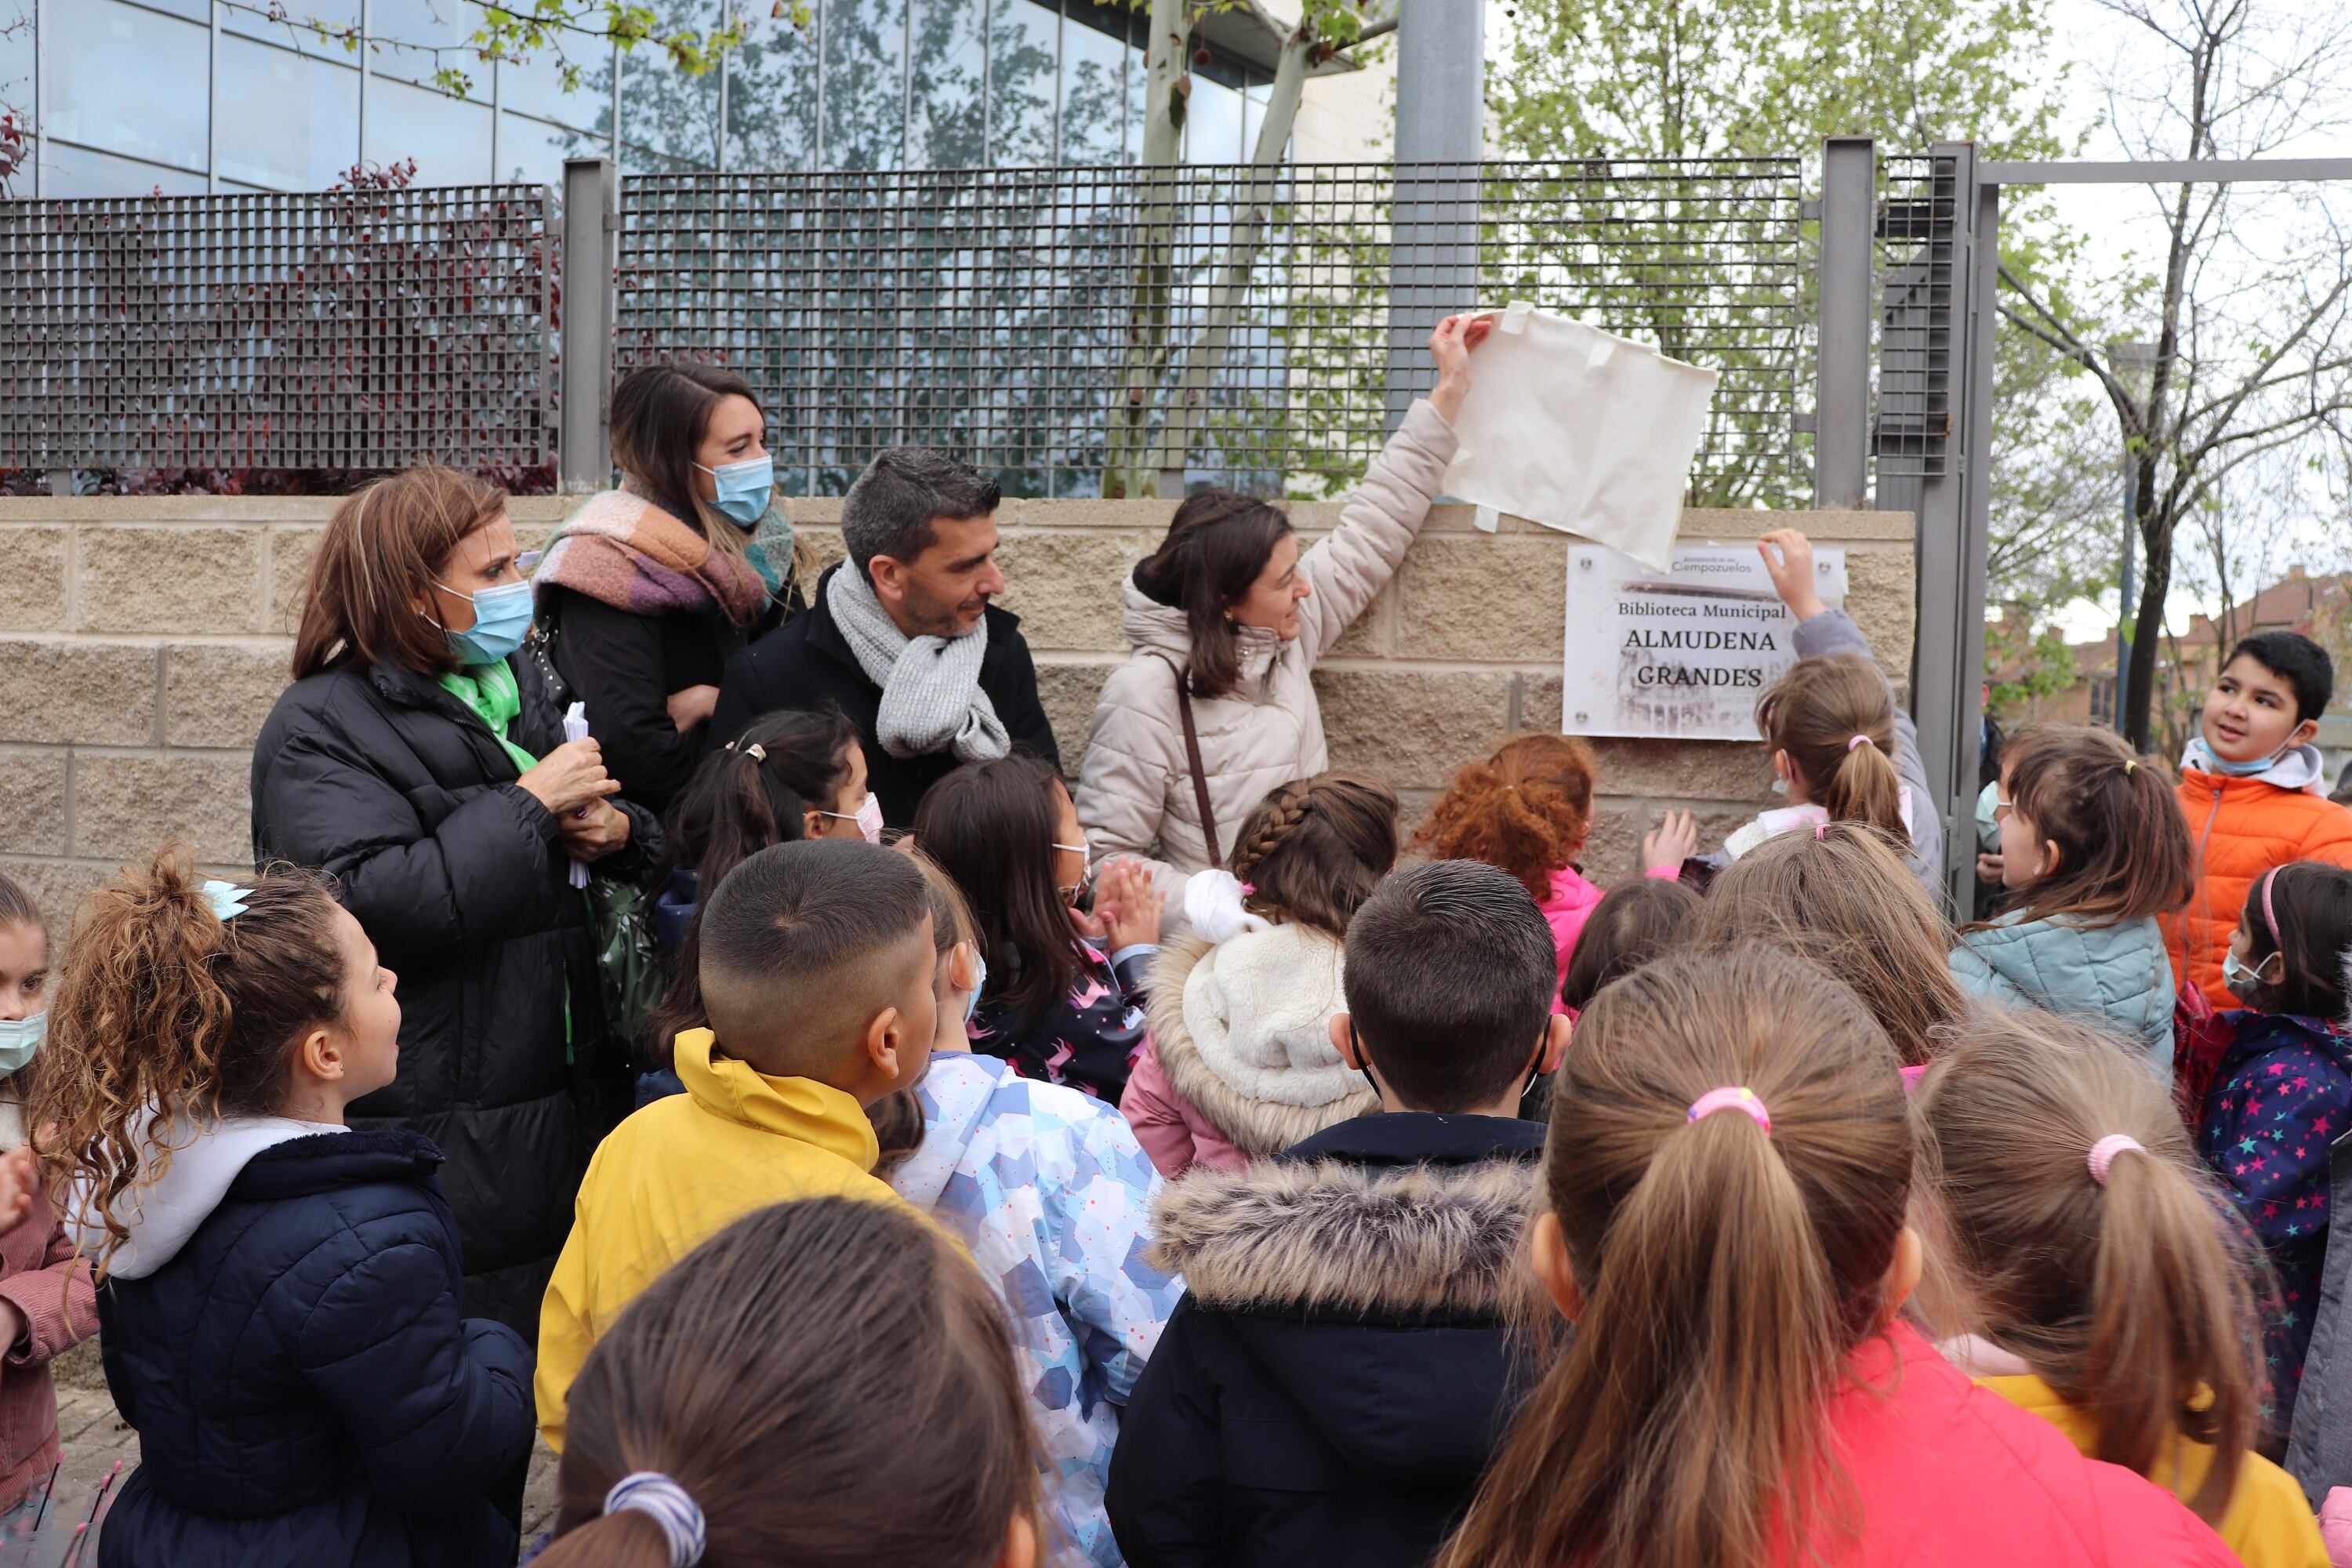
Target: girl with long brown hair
x,y
1063,996
1842,749
824,1383
2094,846
2081,1275
282,1302
1726,1176
1240,1064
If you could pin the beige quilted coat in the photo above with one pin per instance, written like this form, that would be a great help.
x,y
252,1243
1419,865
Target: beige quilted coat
x,y
1135,791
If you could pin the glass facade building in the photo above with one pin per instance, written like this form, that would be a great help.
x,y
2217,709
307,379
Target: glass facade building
x,y
189,96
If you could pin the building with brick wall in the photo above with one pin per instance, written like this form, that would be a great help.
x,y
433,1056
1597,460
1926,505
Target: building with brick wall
x,y
143,639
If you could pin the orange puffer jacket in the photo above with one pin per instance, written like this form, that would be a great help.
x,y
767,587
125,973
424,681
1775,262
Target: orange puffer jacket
x,y
2242,828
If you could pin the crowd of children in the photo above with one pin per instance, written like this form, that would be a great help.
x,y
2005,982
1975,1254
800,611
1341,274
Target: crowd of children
x,y
983,1208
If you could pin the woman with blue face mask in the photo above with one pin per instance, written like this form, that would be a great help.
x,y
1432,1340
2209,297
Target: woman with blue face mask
x,y
648,589
419,759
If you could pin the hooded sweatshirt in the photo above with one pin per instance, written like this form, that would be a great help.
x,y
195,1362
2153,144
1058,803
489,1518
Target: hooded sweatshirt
x,y
2112,972
2243,827
1048,1189
283,1329
1339,1373
679,1171
1240,1064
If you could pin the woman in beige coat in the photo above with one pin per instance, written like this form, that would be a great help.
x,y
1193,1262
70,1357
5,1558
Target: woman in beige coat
x,y
1230,606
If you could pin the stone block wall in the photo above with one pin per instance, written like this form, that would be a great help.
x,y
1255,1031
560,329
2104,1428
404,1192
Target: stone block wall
x,y
143,639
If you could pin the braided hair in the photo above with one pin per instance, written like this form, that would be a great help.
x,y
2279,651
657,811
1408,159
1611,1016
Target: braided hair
x,y
1314,849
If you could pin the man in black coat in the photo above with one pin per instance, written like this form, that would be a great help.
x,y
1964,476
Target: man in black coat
x,y
903,638
1340,1371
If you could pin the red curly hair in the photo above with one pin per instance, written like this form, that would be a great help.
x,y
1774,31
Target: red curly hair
x,y
1527,809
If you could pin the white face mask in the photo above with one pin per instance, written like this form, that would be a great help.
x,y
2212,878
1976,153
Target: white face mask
x,y
868,818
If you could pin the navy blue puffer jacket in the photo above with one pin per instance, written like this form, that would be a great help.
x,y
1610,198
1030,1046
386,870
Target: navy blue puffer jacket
x,y
292,1356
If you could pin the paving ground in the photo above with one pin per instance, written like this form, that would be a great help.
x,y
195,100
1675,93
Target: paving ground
x,y
96,1443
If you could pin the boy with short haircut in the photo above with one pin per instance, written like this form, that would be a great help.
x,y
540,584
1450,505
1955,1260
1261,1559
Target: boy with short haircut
x,y
2254,791
1337,1376
817,962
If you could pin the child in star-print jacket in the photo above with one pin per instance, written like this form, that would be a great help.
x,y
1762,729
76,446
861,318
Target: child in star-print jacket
x,y
2283,1092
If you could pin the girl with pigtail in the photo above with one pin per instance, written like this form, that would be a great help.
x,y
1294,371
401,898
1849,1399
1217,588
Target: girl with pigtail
x,y
1240,1064
1726,1175
2093,848
1842,749
281,1299
2080,1274
788,775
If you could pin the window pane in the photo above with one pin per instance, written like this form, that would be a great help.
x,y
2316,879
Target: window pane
x,y
663,109
1253,102
412,40
1212,122
285,122
193,10
864,83
1094,84
292,33
1024,59
772,97
17,74
533,152
120,80
449,138
84,172
950,48
534,86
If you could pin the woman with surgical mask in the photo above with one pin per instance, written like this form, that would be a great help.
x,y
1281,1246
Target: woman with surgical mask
x,y
648,590
420,759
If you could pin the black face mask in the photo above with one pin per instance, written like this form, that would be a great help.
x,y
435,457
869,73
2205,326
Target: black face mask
x,y
1534,1066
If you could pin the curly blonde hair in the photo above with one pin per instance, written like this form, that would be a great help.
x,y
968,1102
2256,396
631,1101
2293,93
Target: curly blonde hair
x,y
164,1010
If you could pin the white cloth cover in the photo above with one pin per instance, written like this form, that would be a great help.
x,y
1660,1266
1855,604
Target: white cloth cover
x,y
1582,430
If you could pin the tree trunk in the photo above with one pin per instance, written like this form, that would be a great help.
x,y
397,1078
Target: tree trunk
x,y
1127,470
2156,541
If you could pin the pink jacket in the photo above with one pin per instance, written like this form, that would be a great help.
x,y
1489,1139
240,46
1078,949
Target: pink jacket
x,y
1950,1475
1170,1128
41,1275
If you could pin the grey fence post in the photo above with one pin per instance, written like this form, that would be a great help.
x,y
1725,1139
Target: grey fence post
x,y
1841,371
1947,695
1441,118
591,252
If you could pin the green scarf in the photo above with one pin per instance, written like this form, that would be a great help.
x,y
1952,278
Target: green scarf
x,y
488,692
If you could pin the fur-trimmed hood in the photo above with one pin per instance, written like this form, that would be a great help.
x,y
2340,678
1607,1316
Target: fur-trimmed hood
x,y
1243,1033
1435,1242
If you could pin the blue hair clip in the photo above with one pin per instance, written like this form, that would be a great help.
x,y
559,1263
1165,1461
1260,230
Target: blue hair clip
x,y
227,900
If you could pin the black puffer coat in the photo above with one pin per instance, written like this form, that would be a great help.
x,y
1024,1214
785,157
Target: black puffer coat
x,y
293,1358
379,778
1338,1373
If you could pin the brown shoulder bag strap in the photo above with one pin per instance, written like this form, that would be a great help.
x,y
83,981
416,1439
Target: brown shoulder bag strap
x,y
1193,760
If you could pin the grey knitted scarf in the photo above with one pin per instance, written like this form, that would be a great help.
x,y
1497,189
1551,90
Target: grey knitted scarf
x,y
931,698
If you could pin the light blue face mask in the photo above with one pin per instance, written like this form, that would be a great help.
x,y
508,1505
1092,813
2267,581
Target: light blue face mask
x,y
19,1039
743,490
2238,975
2244,770
501,620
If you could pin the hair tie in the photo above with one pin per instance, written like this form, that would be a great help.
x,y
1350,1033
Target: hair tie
x,y
2269,919
1821,832
1862,741
756,751
664,1502
2129,765
1730,1098
227,900
2104,1153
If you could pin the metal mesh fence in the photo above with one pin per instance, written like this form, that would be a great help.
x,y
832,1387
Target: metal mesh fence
x,y
1076,329
1918,214
338,330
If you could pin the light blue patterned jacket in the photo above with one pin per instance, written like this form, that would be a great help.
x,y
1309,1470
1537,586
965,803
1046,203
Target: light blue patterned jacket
x,y
1049,1189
